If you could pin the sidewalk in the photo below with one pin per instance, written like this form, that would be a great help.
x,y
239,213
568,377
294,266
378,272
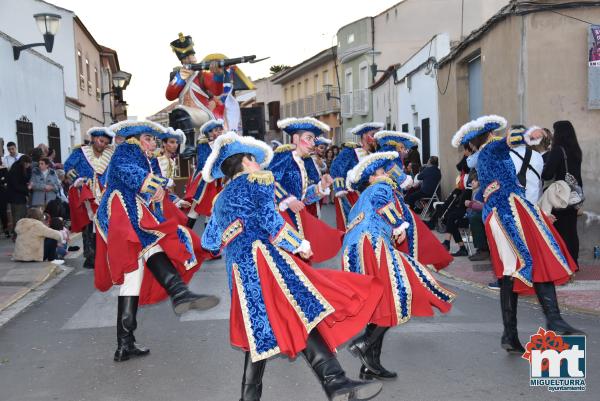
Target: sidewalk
x,y
17,279
582,294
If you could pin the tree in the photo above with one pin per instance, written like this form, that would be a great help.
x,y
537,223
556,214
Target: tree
x,y
278,68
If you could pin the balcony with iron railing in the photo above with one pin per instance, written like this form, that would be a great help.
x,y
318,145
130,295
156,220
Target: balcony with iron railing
x,y
313,105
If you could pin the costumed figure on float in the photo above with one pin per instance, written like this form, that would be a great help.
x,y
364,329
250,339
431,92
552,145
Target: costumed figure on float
x,y
527,253
295,190
148,256
86,167
421,243
279,304
375,226
200,193
349,157
204,95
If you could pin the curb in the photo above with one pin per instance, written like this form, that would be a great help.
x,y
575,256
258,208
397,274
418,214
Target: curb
x,y
52,273
529,300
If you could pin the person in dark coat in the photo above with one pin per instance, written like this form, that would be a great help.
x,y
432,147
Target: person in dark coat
x,y
430,177
3,197
18,188
564,143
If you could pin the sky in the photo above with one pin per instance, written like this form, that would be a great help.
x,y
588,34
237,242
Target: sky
x,y
140,31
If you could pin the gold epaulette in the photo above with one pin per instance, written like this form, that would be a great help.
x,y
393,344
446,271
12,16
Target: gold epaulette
x,y
77,146
351,145
133,141
202,139
262,177
285,148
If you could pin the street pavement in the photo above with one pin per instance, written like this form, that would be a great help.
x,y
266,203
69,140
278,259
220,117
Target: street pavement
x,y
61,348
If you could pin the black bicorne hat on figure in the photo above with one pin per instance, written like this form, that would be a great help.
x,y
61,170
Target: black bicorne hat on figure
x,y
183,46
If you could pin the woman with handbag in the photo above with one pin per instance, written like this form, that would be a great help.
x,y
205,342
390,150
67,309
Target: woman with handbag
x,y
564,164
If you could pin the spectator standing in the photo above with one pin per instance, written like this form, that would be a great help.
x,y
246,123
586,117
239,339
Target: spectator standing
x,y
44,184
4,197
12,155
18,188
544,146
35,241
430,178
528,165
565,156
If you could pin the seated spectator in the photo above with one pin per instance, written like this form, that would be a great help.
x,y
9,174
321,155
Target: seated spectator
x,y
413,157
429,178
44,184
474,208
455,219
58,224
35,241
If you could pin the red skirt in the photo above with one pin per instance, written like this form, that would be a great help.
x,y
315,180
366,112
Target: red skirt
x,y
352,296
119,252
546,267
202,203
325,241
340,216
422,299
78,211
428,249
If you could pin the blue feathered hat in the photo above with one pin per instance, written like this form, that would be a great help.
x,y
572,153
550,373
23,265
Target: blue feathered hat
x,y
478,127
177,134
129,128
230,144
321,140
391,138
362,129
367,167
211,125
101,131
294,125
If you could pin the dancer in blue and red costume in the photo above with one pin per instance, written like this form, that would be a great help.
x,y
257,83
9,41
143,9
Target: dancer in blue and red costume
x,y
164,165
86,167
527,253
280,304
349,157
421,243
295,190
200,193
149,256
315,168
376,225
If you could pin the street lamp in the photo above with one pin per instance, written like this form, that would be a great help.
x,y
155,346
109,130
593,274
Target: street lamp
x,y
328,95
48,25
119,79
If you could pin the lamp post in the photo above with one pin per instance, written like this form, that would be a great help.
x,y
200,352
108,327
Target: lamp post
x,y
328,95
48,25
119,79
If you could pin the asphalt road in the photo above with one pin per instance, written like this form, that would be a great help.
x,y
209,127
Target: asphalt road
x,y
61,348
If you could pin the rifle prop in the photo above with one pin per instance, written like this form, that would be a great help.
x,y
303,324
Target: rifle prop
x,y
205,65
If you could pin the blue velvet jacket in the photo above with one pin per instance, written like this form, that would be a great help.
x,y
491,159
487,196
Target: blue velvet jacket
x,y
502,191
348,157
132,181
292,176
203,150
245,222
82,163
164,167
374,218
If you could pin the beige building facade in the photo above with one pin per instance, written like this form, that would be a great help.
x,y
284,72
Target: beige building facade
x,y
529,66
304,89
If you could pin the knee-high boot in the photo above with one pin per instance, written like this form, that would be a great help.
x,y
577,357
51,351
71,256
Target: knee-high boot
x,y
361,347
190,222
252,379
182,298
126,325
333,379
374,354
546,294
508,304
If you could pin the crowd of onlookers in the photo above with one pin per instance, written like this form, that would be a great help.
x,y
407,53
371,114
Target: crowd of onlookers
x,y
34,188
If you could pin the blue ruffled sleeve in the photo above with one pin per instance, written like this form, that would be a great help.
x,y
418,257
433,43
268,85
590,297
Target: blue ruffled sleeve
x,y
340,167
202,152
72,162
211,238
384,202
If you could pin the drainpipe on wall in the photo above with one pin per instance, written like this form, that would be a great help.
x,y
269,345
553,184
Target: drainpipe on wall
x,y
522,83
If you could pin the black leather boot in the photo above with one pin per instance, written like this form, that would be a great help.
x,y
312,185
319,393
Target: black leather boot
x,y
190,223
126,325
546,294
375,355
333,379
252,379
361,347
182,298
508,305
